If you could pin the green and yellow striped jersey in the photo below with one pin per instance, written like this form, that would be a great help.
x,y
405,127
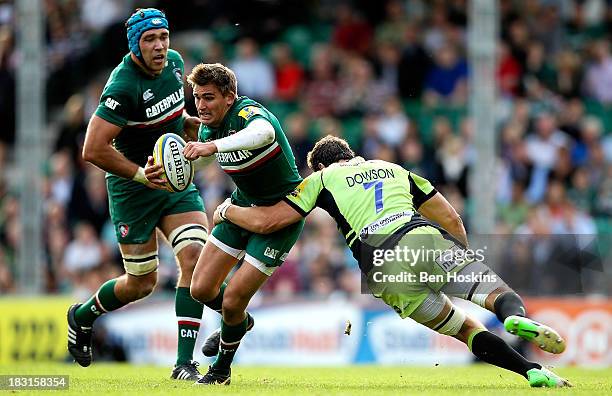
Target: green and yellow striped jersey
x,y
364,197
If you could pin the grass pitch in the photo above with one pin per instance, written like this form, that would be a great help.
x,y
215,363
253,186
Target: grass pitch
x,y
125,379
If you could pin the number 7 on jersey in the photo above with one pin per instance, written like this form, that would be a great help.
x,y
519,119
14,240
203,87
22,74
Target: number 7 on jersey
x,y
378,193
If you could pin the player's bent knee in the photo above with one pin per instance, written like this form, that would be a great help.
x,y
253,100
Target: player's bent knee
x,y
147,288
187,235
189,257
140,264
141,286
202,292
452,323
233,302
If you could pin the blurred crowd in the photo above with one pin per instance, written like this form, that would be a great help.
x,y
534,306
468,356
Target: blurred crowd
x,y
391,78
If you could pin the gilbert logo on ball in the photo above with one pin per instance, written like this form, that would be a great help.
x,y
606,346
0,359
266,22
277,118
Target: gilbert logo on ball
x,y
168,152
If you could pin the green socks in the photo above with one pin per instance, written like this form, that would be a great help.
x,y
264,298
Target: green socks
x,y
216,303
189,314
230,341
100,303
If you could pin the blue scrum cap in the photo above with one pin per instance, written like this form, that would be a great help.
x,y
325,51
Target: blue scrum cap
x,y
139,22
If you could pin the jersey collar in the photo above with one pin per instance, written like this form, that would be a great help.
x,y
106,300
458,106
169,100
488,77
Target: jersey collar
x,y
351,162
136,67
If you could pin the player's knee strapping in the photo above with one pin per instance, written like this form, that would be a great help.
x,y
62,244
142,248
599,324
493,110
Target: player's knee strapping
x,y
187,234
508,303
479,291
140,264
451,324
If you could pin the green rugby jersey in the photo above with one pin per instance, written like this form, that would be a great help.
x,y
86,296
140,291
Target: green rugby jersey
x,y
364,197
145,107
262,176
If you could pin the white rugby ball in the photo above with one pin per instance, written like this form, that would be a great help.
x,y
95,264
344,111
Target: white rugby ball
x,y
168,152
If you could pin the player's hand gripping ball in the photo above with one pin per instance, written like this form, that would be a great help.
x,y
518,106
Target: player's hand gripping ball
x,y
168,152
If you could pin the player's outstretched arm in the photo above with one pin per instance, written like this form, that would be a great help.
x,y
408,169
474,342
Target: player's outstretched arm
x,y
98,149
439,210
258,219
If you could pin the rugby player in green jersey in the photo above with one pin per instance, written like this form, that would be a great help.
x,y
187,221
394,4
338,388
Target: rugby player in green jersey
x,y
251,147
382,209
143,99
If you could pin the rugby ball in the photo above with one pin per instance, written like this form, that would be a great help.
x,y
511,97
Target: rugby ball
x,y
168,152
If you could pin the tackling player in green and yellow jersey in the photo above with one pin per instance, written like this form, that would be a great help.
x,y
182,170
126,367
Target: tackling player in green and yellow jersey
x,y
384,212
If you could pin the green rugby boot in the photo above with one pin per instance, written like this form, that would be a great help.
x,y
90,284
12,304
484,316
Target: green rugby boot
x,y
543,377
546,338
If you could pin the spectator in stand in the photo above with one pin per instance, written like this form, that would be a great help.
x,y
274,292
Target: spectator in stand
x,y
255,73
447,80
582,193
393,126
537,68
387,65
563,167
296,127
351,33
392,29
573,222
543,146
62,177
452,160
72,130
414,64
570,118
369,139
515,212
89,200
547,26
97,15
321,92
508,71
82,256
412,156
519,40
589,138
289,73
596,164
599,73
359,91
435,31
567,76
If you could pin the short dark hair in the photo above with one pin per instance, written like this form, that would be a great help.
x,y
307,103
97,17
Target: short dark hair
x,y
214,73
327,151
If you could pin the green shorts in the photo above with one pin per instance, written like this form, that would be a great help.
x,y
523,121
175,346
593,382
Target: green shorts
x,y
421,268
136,210
264,252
